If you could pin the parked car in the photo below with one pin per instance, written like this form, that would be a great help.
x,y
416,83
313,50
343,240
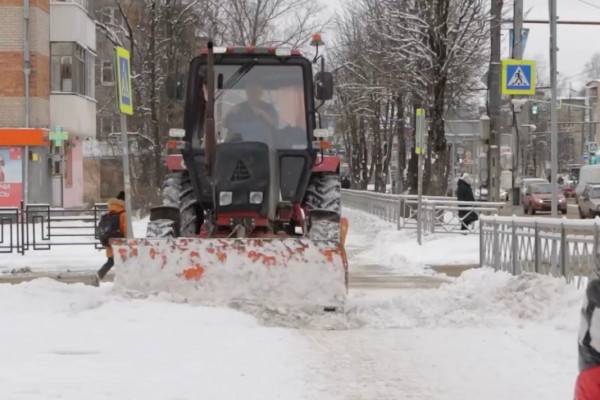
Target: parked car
x,y
589,201
538,197
587,174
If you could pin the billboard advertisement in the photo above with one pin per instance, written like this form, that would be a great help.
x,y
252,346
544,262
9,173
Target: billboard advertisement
x,y
11,176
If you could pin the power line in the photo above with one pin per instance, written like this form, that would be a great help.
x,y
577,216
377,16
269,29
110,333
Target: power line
x,y
587,3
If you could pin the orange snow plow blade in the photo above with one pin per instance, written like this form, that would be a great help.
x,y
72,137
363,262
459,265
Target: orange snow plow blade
x,y
271,272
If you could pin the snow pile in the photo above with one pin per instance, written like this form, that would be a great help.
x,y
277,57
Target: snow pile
x,y
62,341
479,297
294,272
374,241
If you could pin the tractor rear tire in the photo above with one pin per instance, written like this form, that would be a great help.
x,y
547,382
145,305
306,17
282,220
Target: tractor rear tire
x,y
323,195
324,192
177,193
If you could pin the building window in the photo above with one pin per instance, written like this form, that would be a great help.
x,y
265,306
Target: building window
x,y
107,77
106,126
72,69
90,85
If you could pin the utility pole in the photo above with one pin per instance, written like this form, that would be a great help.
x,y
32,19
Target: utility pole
x,y
420,147
125,100
517,45
517,54
494,102
553,108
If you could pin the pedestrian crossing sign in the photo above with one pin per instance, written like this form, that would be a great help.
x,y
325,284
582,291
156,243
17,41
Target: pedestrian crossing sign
x,y
518,77
124,90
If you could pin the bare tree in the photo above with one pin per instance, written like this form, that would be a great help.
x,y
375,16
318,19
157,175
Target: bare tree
x,y
428,53
269,22
161,37
592,67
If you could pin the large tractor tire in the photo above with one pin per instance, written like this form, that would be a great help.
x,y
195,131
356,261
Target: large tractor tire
x,y
177,194
324,192
323,200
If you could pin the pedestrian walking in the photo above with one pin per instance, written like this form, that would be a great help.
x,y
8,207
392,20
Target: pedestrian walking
x,y
113,224
464,193
346,184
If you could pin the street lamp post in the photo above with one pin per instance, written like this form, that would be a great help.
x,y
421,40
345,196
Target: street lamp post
x,y
553,107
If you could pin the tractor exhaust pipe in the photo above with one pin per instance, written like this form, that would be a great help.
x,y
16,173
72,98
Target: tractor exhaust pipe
x,y
209,127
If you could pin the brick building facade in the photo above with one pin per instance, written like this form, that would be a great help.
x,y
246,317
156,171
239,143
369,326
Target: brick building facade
x,y
12,76
58,38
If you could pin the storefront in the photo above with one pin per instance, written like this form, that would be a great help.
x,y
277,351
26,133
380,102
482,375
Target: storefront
x,y
24,166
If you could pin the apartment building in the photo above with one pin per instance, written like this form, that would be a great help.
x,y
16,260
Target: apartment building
x,y
47,99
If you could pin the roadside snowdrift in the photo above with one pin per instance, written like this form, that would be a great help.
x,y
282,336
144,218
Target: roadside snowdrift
x,y
479,297
374,241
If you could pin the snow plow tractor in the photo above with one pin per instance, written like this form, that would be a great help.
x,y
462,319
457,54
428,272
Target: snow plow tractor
x,y
251,205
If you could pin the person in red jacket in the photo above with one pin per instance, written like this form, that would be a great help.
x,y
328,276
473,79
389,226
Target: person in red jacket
x,y
115,206
587,386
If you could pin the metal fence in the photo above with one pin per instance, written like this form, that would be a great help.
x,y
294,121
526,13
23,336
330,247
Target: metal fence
x,y
558,247
41,227
438,214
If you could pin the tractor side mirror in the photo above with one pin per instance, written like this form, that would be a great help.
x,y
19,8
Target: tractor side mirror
x,y
324,85
175,86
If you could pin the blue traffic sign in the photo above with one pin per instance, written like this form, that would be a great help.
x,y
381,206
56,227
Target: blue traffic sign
x,y
518,77
124,81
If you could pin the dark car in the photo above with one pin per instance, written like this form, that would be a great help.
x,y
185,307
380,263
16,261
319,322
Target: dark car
x,y
538,198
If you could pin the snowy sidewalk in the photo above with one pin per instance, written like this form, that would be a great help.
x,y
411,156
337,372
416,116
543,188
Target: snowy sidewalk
x,y
485,335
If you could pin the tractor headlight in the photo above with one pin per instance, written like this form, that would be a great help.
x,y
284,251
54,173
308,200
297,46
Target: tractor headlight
x,y
256,197
225,198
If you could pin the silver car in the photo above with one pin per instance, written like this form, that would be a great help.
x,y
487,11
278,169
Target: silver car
x,y
589,201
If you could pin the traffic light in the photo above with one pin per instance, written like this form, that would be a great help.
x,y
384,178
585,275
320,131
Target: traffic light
x,y
534,109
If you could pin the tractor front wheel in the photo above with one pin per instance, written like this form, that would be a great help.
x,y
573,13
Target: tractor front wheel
x,y
178,195
323,200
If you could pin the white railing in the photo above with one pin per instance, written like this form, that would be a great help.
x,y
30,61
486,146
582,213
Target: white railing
x,y
558,247
439,214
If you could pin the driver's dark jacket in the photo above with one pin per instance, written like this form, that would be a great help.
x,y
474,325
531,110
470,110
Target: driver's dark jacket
x,y
244,124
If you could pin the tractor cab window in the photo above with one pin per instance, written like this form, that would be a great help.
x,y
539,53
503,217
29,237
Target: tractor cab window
x,y
260,103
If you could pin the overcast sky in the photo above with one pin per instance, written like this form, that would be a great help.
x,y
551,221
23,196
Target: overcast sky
x,y
576,43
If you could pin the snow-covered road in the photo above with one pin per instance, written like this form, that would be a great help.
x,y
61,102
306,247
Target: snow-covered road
x,y
484,335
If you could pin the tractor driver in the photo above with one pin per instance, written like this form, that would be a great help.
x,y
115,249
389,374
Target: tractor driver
x,y
253,119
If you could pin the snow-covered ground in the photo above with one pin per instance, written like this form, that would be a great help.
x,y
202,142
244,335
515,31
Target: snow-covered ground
x,y
80,342
484,335
374,241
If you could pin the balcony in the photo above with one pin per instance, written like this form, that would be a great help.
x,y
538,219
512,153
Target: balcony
x,y
70,22
74,112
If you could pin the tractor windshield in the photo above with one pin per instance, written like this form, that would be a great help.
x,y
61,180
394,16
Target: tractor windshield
x,y
261,103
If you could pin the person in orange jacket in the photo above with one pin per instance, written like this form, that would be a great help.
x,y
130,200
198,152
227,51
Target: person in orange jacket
x,y
115,206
